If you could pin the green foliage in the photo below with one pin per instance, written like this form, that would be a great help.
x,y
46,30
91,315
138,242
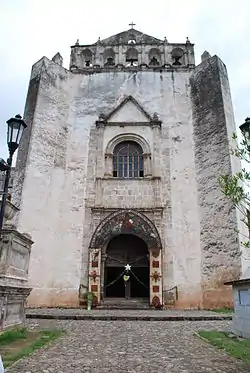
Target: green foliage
x,y
12,335
18,343
238,348
235,187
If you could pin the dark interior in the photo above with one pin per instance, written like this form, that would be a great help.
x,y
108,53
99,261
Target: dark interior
x,y
127,249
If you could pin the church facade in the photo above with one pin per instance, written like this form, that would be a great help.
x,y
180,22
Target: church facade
x,y
117,176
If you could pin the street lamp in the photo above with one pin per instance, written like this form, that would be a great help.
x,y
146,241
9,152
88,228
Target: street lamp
x,y
16,126
245,129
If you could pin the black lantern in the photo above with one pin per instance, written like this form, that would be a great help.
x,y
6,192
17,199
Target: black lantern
x,y
15,130
16,126
245,129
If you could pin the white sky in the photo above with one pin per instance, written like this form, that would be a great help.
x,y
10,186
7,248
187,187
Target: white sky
x,y
31,29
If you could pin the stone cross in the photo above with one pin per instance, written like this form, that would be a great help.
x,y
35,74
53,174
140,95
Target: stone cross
x,y
132,24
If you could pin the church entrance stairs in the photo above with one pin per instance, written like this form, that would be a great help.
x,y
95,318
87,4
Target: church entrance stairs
x,y
124,314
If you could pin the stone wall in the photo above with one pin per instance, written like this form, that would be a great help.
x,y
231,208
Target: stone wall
x,y
68,189
98,51
213,126
61,168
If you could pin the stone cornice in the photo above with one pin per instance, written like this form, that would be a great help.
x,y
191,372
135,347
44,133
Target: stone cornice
x,y
9,229
145,178
141,209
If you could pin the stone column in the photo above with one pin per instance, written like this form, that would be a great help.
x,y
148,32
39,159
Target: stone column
x,y
102,278
99,160
147,164
108,164
155,271
156,156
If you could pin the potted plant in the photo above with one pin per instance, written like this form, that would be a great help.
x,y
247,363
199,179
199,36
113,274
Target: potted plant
x,y
89,300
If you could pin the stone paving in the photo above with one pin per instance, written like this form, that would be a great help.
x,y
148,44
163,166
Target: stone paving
x,y
102,314
131,347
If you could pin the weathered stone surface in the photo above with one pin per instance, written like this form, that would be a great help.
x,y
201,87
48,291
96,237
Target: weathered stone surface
x,y
129,347
119,51
124,314
2,178
213,127
64,184
14,264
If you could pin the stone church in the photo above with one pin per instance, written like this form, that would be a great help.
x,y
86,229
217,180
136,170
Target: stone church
x,y
117,176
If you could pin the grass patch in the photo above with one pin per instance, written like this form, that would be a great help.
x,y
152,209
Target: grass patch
x,y
223,310
238,348
18,343
12,335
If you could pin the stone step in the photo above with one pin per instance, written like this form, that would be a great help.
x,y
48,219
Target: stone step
x,y
124,304
123,307
124,315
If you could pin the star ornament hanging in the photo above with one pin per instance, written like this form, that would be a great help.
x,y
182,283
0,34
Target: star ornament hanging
x,y
128,267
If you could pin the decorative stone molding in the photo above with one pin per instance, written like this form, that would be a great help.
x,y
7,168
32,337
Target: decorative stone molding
x,y
128,137
147,120
94,273
12,305
126,221
130,222
156,277
10,212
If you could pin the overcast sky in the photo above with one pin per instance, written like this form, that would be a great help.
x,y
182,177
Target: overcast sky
x,y
31,29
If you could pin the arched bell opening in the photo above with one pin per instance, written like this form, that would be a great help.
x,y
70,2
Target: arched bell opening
x,y
127,273
132,57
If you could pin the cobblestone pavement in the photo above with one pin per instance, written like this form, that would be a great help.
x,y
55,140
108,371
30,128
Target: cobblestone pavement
x,y
129,346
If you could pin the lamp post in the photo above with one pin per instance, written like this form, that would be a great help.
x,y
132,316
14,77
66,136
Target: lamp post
x,y
245,129
16,126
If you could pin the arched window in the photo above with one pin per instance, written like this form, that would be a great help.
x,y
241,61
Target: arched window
x,y
128,160
86,56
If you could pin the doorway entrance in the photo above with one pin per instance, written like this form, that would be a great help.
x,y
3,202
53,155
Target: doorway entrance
x,y
130,251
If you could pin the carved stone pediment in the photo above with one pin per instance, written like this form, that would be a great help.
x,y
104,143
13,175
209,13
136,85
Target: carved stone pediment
x,y
128,112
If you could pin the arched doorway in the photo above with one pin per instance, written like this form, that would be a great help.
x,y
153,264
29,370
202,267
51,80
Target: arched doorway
x,y
122,250
130,232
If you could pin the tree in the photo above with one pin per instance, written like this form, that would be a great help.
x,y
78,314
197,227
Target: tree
x,y
236,187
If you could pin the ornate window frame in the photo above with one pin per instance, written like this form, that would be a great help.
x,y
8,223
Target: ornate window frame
x,y
123,138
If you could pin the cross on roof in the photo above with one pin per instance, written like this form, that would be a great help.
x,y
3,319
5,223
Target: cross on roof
x,y
132,24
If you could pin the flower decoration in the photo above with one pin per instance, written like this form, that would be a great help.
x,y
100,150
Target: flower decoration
x,y
156,302
94,275
155,264
156,276
155,252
